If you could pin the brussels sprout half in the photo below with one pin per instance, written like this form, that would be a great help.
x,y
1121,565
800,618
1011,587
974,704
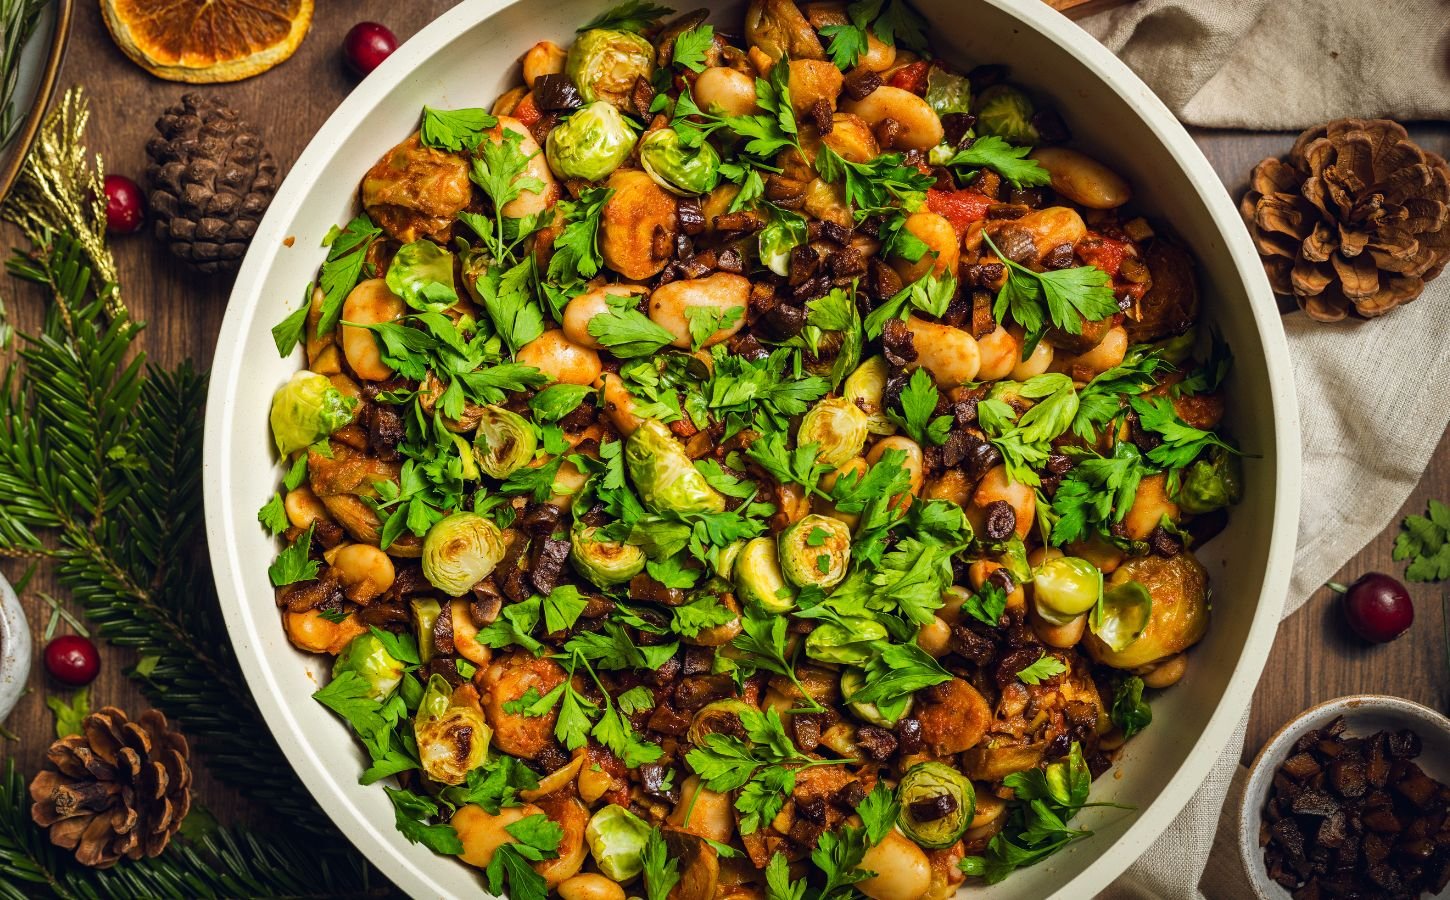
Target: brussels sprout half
x,y
604,563
947,92
664,474
815,551
884,714
505,442
717,716
839,429
1066,587
307,409
1126,611
422,274
590,144
425,616
676,168
616,840
367,656
866,387
847,642
937,805
452,737
1005,111
758,578
785,232
604,64
1211,483
460,551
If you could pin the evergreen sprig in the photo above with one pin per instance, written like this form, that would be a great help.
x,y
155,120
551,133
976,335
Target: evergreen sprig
x,y
226,863
104,454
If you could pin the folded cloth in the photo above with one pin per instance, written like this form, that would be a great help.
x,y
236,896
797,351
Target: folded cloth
x,y
1286,64
1371,394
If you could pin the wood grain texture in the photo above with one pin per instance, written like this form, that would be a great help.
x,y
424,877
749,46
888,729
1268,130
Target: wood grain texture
x,y
1312,659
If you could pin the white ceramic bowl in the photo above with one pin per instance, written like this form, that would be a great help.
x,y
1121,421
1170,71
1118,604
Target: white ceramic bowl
x,y
15,651
1364,714
466,58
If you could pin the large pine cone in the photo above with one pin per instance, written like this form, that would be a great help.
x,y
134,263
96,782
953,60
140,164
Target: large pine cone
x,y
120,788
1357,219
211,179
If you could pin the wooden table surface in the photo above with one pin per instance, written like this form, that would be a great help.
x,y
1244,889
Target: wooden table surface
x,y
1312,659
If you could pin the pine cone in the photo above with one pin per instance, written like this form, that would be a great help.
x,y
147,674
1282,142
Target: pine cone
x,y
1359,217
120,788
211,179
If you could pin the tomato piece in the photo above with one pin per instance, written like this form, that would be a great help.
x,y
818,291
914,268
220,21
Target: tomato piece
x,y
527,111
911,77
1104,252
961,208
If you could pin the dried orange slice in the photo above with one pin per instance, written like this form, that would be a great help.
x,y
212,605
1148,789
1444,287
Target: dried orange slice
x,y
207,40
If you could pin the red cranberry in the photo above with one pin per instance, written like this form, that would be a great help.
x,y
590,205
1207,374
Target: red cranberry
x,y
72,659
1378,608
125,205
367,45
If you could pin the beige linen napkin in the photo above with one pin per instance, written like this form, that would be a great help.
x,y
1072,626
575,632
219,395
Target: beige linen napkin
x,y
1374,397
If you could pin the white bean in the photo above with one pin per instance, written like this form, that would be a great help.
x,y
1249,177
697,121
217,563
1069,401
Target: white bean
x,y
1036,363
996,485
370,303
1000,354
711,814
528,202
618,403
560,358
725,91
902,870
943,249
1082,179
586,306
948,354
1107,353
812,80
920,127
717,293
590,886
544,58
366,572
482,834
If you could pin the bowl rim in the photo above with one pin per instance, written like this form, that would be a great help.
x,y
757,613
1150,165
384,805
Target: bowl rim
x,y
1249,813
381,845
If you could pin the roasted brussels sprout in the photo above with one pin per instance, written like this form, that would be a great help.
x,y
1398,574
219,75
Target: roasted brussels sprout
x,y
947,93
838,427
604,64
307,409
604,563
1211,483
505,442
616,839
717,716
758,579
422,274
367,656
785,232
1005,111
847,642
460,551
664,474
452,734
425,616
866,387
676,168
815,551
1178,595
937,805
590,144
1066,587
884,714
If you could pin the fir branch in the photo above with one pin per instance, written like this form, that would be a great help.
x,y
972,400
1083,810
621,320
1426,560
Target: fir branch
x,y
59,190
226,863
105,454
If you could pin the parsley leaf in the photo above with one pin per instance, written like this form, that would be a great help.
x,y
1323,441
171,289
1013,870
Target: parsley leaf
x,y
293,565
1096,492
410,812
896,22
631,15
930,293
987,604
287,333
699,614
918,402
1103,399
661,870
494,785
558,400
778,882
991,152
346,253
691,46
576,249
1061,297
1130,712
508,298
1182,443
455,129
706,321
627,332
563,607
876,186
1046,667
796,466
1425,541
272,516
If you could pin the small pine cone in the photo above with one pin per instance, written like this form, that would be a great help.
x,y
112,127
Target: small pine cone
x,y
1357,219
210,179
120,788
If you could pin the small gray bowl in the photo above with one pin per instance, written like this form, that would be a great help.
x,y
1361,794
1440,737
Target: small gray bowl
x,y
14,649
1364,714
